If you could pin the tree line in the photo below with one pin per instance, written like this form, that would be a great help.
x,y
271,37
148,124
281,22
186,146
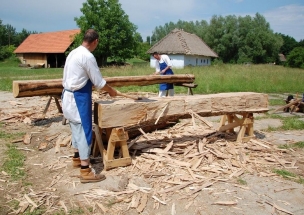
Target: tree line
x,y
235,39
10,39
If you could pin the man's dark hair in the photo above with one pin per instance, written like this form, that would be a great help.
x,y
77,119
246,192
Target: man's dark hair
x,y
155,53
90,35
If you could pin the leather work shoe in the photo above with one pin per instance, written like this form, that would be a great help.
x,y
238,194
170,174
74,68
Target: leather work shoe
x,y
88,175
76,162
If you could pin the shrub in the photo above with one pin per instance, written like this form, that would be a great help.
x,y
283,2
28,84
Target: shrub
x,y
295,59
6,52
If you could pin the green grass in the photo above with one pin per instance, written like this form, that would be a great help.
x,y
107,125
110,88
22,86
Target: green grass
x,y
289,175
289,123
284,173
14,163
299,145
241,181
210,79
10,136
273,102
135,60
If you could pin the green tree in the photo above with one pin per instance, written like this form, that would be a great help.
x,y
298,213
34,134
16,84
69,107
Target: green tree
x,y
289,43
197,28
116,33
300,43
148,40
21,36
234,39
243,39
2,34
141,52
295,58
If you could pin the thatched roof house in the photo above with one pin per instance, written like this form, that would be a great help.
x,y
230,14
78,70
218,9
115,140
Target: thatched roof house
x,y
183,49
46,48
282,58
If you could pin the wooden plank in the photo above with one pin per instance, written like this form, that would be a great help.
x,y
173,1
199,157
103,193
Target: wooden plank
x,y
146,111
109,164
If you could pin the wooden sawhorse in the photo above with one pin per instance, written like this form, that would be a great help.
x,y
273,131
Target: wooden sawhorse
x,y
245,123
116,137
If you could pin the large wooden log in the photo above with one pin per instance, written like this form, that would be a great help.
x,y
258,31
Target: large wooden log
x,y
148,112
30,88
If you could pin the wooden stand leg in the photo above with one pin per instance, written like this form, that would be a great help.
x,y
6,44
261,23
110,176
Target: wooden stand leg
x,y
58,105
245,123
190,92
47,105
117,137
98,144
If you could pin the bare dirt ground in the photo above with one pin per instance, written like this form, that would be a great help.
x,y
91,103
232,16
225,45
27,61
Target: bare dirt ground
x,y
203,172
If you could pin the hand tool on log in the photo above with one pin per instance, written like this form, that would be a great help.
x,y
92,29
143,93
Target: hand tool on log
x,y
128,96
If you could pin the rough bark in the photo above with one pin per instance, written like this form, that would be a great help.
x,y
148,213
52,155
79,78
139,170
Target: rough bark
x,y
54,86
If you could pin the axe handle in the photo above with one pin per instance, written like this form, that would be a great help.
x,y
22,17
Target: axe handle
x,y
127,96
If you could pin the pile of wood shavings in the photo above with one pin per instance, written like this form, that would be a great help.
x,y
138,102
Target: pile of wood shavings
x,y
186,159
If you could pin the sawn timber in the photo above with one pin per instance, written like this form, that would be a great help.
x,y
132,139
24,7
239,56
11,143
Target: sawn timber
x,y
154,112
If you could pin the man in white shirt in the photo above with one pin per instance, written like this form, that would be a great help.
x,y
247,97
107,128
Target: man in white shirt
x,y
163,67
81,72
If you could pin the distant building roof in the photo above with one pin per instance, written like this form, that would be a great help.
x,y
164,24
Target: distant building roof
x,y
282,57
181,42
51,42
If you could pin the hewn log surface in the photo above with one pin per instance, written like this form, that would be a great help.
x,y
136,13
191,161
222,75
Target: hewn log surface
x,y
30,88
108,114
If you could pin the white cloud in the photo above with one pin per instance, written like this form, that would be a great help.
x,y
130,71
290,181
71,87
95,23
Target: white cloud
x,y
288,20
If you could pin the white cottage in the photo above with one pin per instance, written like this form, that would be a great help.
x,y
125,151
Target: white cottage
x,y
184,49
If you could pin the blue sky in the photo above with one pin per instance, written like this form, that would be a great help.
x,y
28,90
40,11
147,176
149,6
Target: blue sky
x,y
284,16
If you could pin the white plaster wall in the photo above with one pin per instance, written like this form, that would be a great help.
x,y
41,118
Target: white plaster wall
x,y
197,60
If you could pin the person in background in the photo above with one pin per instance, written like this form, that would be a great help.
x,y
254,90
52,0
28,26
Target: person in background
x,y
80,73
163,67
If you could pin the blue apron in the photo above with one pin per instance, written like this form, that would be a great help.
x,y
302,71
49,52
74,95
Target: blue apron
x,y
83,99
165,86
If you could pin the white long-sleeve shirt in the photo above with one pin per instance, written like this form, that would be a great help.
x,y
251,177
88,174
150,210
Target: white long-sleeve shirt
x,y
163,58
80,66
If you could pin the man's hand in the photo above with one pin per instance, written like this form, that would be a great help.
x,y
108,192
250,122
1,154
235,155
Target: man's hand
x,y
112,92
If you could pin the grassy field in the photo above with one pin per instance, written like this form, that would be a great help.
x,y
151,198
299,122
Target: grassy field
x,y
210,79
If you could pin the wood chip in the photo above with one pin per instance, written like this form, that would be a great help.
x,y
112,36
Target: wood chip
x,y
160,201
27,139
57,145
178,187
173,209
143,203
226,203
103,208
66,141
169,146
161,114
42,145
27,120
63,206
279,208
30,201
